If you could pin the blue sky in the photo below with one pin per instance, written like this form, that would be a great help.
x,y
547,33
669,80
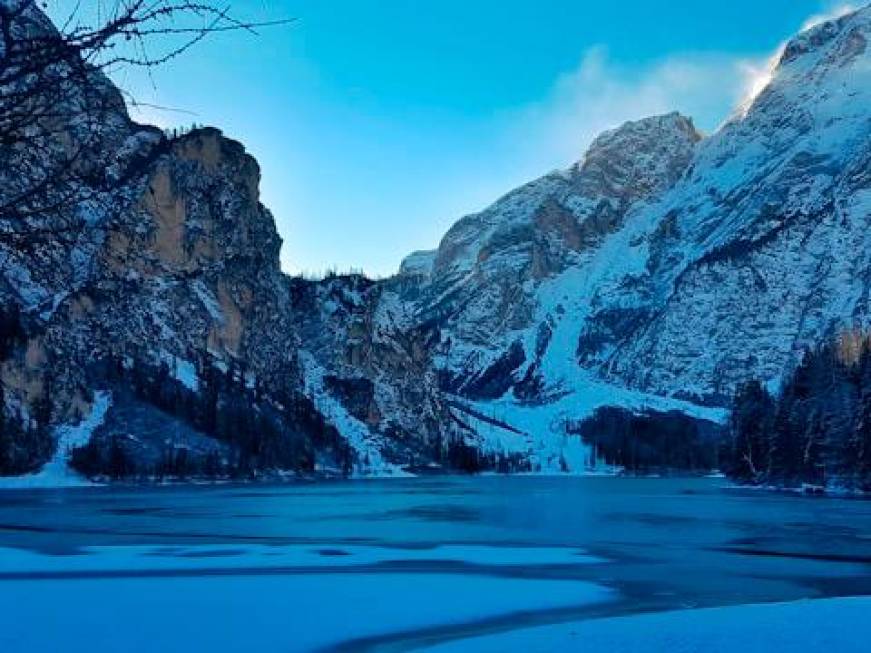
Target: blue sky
x,y
378,124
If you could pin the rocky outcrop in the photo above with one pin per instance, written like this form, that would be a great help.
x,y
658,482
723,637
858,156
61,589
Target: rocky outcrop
x,y
489,266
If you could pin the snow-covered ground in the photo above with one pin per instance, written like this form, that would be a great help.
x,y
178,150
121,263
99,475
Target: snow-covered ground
x,y
56,472
538,431
829,625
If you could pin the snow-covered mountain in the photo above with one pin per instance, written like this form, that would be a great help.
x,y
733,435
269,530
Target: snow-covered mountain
x,y
664,263
659,271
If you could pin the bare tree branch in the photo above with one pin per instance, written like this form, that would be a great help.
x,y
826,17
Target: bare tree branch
x,y
62,122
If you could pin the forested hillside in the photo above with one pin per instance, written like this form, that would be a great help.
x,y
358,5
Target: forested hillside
x,y
816,430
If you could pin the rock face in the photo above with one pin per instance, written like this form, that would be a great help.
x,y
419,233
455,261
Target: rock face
x,y
183,274
165,291
657,272
483,288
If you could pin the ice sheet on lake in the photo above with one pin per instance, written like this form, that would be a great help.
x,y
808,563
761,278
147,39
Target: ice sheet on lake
x,y
193,558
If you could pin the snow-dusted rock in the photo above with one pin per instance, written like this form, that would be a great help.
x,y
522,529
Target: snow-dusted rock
x,y
660,270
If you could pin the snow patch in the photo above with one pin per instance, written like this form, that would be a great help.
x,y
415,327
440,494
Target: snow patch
x,y
57,472
538,431
182,370
209,301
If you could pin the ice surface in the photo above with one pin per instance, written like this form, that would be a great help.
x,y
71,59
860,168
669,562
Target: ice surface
x,y
198,558
302,566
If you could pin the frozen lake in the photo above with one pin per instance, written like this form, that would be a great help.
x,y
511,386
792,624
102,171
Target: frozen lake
x,y
448,564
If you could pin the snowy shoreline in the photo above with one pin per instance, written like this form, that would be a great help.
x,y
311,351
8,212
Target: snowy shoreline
x,y
51,477
834,624
27,482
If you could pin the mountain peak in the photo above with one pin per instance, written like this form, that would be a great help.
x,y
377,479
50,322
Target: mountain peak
x,y
853,24
643,156
820,79
672,124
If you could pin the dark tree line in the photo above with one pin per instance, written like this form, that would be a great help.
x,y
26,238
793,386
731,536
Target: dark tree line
x,y
469,459
25,442
112,458
278,430
816,431
651,441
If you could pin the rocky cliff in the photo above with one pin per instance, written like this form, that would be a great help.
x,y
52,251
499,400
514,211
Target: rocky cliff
x,y
157,284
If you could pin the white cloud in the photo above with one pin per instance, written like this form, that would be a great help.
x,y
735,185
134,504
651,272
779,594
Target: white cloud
x,y
756,75
601,94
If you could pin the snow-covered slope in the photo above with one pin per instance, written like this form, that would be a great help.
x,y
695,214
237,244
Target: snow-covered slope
x,y
761,249
56,472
